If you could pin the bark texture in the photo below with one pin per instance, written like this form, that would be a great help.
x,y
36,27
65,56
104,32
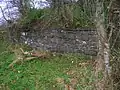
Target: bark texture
x,y
102,62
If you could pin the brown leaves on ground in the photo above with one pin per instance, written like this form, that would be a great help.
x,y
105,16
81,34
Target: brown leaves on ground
x,y
40,54
86,63
72,83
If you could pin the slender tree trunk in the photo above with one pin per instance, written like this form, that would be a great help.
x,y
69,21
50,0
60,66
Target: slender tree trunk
x,y
102,62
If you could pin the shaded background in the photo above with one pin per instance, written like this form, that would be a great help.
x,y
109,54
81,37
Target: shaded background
x,y
11,11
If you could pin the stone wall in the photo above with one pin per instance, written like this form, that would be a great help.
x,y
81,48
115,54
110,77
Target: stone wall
x,y
63,40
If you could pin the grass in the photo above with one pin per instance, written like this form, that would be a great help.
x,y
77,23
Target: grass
x,y
60,72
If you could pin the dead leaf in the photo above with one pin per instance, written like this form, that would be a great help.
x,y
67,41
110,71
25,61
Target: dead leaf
x,y
68,87
60,80
73,82
71,72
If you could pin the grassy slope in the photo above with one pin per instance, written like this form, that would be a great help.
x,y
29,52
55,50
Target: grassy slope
x,y
55,73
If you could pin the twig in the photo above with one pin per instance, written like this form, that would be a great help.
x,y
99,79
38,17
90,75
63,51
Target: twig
x,y
115,39
3,13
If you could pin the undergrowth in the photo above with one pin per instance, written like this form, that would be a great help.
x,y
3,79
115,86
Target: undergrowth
x,y
60,72
66,16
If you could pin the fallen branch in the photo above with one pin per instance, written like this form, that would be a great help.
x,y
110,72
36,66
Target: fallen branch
x,y
22,56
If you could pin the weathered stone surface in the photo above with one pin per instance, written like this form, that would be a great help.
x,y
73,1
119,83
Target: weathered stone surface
x,y
65,41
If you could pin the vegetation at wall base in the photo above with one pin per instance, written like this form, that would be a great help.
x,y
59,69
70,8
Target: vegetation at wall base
x,y
55,73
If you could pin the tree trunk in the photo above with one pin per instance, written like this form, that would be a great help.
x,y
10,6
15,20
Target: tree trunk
x,y
102,61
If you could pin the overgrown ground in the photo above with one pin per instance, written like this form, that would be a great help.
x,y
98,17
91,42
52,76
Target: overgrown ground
x,y
61,72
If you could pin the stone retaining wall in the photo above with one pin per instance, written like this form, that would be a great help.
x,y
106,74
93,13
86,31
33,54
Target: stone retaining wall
x,y
63,40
